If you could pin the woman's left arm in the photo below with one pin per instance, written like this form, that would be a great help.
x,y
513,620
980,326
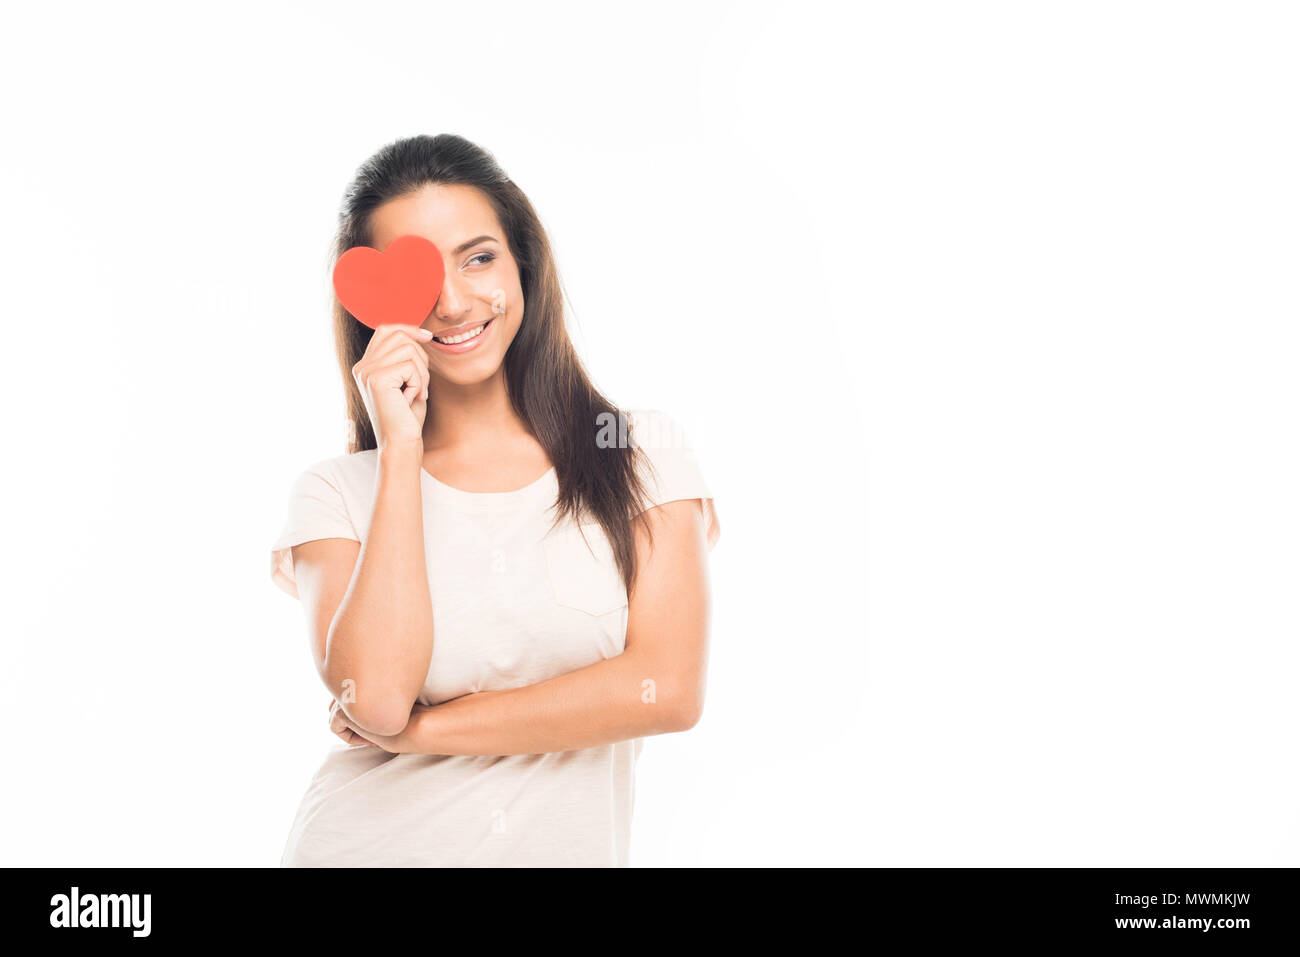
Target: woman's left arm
x,y
655,686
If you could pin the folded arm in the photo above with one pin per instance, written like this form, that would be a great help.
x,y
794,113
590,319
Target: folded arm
x,y
368,607
655,686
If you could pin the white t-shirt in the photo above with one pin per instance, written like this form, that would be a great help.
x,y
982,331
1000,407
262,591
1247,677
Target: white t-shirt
x,y
513,605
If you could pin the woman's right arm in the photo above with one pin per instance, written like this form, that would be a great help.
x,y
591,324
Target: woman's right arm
x,y
368,605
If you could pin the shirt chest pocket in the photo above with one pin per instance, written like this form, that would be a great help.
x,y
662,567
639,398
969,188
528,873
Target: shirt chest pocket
x,y
582,571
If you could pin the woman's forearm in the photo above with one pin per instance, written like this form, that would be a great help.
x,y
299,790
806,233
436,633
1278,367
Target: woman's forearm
x,y
381,640
628,696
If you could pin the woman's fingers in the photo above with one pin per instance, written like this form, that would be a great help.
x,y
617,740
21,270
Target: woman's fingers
x,y
384,344
389,344
417,381
395,364
404,354
339,725
396,339
399,330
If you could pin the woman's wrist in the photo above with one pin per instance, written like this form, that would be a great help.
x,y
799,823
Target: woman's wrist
x,y
402,456
418,737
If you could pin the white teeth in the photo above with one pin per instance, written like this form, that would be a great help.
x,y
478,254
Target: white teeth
x,y
461,338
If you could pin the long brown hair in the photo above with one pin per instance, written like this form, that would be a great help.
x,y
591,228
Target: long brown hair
x,y
548,386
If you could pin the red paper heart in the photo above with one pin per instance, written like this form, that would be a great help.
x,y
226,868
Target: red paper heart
x,y
399,285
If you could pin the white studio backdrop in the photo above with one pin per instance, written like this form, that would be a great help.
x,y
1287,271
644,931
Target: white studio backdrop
x,y
981,317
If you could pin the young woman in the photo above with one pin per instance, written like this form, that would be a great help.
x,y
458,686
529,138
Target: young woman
x,y
505,579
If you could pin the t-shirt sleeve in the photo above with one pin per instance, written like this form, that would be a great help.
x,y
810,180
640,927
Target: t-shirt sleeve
x,y
316,509
675,472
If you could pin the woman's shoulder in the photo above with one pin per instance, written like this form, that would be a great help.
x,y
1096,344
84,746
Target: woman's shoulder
x,y
655,430
348,472
666,448
669,468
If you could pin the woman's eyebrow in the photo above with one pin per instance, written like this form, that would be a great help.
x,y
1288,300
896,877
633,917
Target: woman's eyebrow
x,y
473,242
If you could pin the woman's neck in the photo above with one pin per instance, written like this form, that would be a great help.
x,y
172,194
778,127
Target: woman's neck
x,y
469,416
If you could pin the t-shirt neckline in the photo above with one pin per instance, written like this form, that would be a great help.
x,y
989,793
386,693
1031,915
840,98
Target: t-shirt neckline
x,y
448,493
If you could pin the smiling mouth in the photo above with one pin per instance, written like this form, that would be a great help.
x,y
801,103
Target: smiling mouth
x,y
464,336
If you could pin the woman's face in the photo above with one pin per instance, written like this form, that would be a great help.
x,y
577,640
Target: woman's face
x,y
482,280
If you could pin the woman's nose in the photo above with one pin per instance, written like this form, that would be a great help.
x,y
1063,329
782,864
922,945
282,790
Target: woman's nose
x,y
452,301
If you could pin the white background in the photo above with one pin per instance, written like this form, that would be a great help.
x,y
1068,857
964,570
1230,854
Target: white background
x,y
981,317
